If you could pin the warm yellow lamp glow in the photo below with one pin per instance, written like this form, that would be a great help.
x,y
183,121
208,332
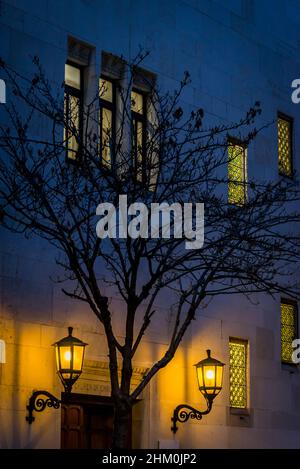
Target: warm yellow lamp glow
x,y
210,376
69,359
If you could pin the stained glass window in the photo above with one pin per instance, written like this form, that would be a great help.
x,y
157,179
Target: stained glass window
x,y
72,110
238,373
285,146
288,329
107,120
237,174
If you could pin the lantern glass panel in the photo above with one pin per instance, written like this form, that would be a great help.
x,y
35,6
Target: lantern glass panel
x,y
78,357
65,357
219,376
200,376
57,358
209,378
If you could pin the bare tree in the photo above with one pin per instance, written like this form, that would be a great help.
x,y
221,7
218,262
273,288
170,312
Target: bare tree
x,y
251,242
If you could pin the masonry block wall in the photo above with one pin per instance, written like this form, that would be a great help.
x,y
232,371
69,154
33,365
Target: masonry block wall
x,y
237,52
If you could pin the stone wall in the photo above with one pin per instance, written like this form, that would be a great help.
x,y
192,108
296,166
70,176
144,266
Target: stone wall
x,y
237,52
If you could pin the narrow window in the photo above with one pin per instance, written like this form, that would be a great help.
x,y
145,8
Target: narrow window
x,y
139,122
2,351
237,173
238,373
73,109
285,138
107,120
289,326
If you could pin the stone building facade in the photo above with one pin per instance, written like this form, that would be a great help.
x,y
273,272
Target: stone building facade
x,y
237,52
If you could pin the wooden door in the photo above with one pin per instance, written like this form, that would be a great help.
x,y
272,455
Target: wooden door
x,y
86,422
99,426
72,426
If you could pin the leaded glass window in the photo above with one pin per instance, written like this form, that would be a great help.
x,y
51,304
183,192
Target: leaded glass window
x,y
237,174
139,122
107,120
284,126
72,109
288,329
238,373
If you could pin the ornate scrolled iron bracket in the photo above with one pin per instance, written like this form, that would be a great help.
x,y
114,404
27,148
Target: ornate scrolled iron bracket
x,y
184,412
38,403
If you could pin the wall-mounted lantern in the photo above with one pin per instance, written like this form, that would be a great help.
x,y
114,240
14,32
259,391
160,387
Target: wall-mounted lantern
x,y
210,377
69,361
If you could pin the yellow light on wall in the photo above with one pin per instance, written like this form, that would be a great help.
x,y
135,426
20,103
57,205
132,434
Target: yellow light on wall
x,y
210,376
69,353
69,359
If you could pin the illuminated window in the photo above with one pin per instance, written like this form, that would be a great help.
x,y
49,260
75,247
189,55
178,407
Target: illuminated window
x,y
285,127
289,320
2,351
139,122
238,373
237,174
73,109
107,120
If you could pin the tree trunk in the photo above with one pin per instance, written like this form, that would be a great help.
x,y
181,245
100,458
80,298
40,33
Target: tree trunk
x,y
122,427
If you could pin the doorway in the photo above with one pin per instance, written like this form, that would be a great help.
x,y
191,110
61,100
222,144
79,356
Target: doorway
x,y
87,422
